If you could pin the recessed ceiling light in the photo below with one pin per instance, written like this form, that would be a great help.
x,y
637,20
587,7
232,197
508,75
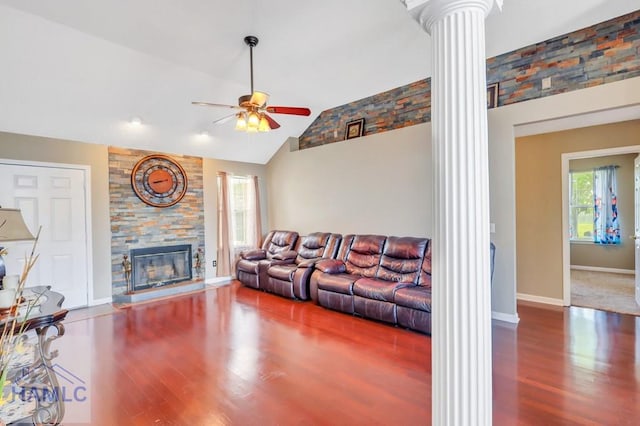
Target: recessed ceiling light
x,y
203,136
135,121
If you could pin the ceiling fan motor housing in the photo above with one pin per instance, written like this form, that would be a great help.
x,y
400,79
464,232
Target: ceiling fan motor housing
x,y
243,101
251,40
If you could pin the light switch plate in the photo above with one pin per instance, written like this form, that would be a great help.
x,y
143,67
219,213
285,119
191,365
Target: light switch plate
x,y
492,228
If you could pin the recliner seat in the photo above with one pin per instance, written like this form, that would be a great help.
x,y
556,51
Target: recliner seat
x,y
292,280
334,279
251,269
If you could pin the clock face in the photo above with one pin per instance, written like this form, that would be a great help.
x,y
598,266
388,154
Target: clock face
x,y
159,181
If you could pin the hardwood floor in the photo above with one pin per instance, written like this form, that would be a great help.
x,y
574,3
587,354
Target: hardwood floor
x,y
234,355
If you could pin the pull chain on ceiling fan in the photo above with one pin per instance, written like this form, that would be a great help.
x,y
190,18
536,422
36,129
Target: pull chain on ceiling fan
x,y
253,108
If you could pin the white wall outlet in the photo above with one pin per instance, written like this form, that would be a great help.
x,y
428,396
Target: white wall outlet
x,y
492,228
335,133
546,83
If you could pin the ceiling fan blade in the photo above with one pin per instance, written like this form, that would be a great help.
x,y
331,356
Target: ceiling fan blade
x,y
259,99
224,119
209,104
289,110
273,124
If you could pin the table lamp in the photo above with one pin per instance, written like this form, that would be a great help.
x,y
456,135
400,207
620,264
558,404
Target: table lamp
x,y
12,228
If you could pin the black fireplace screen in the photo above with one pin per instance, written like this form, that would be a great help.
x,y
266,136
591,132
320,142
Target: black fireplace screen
x,y
158,266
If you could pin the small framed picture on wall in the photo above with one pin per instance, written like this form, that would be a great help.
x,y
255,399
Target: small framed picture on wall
x,y
354,129
492,95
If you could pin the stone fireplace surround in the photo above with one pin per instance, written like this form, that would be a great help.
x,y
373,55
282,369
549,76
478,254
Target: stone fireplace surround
x,y
135,225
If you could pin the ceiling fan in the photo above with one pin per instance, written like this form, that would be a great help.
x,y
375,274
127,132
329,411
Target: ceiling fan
x,y
253,109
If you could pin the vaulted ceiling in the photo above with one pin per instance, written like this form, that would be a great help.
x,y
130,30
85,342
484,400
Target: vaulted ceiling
x,y
79,70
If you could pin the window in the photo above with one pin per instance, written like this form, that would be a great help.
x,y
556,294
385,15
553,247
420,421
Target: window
x,y
593,206
239,200
581,213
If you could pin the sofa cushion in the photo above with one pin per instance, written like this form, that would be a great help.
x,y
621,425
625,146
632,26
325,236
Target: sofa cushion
x,y
285,255
417,297
402,259
280,241
341,283
315,240
312,246
364,255
283,272
331,266
375,289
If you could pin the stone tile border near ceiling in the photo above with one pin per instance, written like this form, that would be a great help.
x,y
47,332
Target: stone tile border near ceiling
x,y
135,224
603,53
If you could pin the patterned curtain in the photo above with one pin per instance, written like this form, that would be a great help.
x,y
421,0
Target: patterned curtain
x,y
606,224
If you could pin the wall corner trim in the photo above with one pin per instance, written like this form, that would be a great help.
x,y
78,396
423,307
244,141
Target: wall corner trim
x,y
218,280
500,316
102,301
599,269
540,299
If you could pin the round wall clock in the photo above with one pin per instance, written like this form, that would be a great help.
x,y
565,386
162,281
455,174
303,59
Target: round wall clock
x,y
159,180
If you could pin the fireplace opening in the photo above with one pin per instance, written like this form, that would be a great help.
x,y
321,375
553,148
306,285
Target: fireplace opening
x,y
160,266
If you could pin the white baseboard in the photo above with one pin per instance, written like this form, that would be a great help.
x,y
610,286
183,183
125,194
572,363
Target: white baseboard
x,y
599,269
512,318
218,280
540,299
96,302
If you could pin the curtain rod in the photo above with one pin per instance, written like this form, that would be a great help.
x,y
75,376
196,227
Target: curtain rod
x,y
589,169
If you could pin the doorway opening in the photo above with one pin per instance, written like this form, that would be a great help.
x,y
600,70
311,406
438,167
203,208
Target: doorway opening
x,y
595,275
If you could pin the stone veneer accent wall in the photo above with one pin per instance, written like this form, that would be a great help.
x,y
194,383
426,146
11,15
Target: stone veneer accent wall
x,y
603,53
135,224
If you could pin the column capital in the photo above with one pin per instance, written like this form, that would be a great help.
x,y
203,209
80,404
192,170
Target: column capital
x,y
426,12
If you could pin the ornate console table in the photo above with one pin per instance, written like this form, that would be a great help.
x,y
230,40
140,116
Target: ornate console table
x,y
35,378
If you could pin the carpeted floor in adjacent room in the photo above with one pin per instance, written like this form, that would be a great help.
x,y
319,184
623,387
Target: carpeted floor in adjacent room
x,y
605,291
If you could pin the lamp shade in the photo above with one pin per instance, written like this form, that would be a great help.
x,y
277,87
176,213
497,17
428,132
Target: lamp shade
x,y
12,226
264,124
241,122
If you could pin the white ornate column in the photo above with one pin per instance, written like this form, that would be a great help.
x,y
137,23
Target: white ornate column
x,y
461,299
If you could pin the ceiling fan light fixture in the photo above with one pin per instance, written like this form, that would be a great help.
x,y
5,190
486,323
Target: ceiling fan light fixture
x,y
241,122
253,108
264,124
253,121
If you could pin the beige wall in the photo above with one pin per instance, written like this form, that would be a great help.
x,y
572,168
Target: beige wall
x,y
33,148
382,184
610,256
378,184
503,123
210,168
539,199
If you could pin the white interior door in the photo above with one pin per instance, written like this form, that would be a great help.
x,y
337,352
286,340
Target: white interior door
x,y
636,214
53,198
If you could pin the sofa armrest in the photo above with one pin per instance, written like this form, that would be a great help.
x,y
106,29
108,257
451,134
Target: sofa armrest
x,y
404,285
255,254
285,255
331,266
309,263
273,262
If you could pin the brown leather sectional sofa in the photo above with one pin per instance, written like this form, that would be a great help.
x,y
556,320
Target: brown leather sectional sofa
x,y
383,278
369,273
